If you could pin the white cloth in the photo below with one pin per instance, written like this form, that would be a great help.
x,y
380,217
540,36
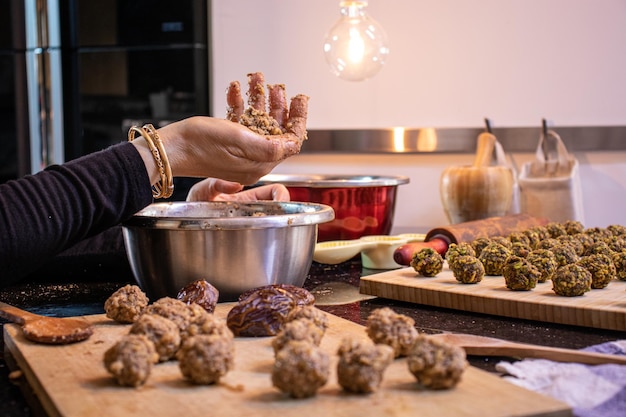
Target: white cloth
x,y
598,390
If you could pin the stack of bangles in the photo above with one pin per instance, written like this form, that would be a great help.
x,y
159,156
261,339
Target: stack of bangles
x,y
165,187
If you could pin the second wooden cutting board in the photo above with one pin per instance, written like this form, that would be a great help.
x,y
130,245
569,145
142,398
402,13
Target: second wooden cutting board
x,y
72,382
601,308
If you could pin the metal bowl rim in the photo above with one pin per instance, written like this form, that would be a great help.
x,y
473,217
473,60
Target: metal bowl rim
x,y
304,214
334,181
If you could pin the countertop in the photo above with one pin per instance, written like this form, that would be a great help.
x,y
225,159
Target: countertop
x,y
336,291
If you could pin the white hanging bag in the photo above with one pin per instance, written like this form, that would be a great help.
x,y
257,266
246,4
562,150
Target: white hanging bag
x,y
550,185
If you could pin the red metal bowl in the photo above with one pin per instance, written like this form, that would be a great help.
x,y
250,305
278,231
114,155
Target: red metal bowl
x,y
364,205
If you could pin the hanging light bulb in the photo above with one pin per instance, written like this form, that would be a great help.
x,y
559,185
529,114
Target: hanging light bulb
x,y
356,46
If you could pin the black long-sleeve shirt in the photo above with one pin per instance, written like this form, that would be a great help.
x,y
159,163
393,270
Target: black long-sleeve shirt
x,y
57,210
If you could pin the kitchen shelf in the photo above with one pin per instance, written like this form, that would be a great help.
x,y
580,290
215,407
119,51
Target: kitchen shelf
x,y
458,140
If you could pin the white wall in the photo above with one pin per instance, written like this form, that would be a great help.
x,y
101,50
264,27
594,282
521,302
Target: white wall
x,y
452,62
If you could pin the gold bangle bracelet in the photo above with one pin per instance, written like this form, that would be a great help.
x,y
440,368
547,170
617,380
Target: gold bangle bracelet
x,y
165,187
156,188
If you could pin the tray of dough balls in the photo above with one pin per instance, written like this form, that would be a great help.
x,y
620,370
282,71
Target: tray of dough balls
x,y
546,273
270,353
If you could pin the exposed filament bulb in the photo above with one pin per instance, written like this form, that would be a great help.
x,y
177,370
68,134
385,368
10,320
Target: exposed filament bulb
x,y
356,46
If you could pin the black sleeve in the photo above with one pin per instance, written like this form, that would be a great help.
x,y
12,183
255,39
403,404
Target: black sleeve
x,y
45,214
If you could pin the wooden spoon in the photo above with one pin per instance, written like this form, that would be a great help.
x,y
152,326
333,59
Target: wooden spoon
x,y
49,330
489,346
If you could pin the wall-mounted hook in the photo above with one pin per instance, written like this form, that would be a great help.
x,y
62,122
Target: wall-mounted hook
x,y
544,127
488,125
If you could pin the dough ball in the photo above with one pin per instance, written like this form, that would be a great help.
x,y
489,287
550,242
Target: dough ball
x,y
300,369
317,316
435,364
427,262
468,270
173,309
390,328
300,329
362,364
571,280
204,359
163,332
131,359
126,304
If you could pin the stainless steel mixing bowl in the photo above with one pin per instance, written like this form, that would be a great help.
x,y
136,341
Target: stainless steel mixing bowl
x,y
234,246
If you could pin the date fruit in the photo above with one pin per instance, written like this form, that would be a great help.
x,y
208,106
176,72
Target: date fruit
x,y
200,292
300,295
261,313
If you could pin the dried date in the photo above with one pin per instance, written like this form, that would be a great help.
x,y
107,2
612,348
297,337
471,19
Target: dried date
x,y
262,313
300,295
200,292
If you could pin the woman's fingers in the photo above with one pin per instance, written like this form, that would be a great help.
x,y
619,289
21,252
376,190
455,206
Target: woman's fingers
x,y
278,103
273,192
234,100
290,142
276,192
256,91
298,113
210,189
215,189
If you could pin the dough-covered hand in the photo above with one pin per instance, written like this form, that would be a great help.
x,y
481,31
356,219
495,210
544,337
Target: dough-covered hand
x,y
278,120
244,151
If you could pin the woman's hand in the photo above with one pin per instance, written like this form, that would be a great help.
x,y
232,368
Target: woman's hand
x,y
209,147
214,189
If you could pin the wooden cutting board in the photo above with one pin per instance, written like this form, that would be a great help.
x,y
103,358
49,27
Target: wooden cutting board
x,y
602,308
72,382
